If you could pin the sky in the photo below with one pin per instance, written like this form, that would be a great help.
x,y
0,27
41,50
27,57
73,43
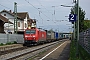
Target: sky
x,y
49,14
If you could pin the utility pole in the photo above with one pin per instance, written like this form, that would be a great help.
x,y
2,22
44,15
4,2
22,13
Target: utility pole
x,y
74,1
77,25
54,13
54,9
15,17
40,15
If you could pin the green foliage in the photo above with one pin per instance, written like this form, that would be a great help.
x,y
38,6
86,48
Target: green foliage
x,y
81,16
14,42
86,24
83,55
73,49
1,44
8,43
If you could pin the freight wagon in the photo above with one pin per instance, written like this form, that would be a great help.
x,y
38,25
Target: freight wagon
x,y
50,36
56,36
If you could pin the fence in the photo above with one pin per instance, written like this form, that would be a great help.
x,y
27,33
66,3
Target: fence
x,y
84,40
4,38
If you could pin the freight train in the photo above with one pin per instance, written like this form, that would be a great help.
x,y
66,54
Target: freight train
x,y
37,36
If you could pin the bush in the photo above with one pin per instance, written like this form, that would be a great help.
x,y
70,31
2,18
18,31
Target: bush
x,y
1,44
8,43
84,54
14,42
73,51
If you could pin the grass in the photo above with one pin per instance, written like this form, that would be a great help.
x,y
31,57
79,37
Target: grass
x,y
73,51
83,54
8,43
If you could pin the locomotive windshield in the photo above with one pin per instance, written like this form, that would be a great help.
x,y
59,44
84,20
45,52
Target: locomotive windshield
x,y
30,31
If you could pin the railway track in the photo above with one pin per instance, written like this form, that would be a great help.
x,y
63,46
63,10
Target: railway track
x,y
12,50
26,53
9,47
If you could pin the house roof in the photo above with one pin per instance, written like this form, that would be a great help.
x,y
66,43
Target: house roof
x,y
23,15
4,19
10,12
20,15
7,12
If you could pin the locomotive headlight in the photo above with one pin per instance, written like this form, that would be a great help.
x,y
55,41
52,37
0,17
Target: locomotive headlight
x,y
26,36
33,36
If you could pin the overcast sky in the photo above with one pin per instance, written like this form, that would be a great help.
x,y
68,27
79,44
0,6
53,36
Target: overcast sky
x,y
47,16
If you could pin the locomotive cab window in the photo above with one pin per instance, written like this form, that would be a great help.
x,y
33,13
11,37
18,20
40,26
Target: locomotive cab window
x,y
30,31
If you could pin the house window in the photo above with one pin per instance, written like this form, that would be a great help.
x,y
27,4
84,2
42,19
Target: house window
x,y
18,24
4,14
25,25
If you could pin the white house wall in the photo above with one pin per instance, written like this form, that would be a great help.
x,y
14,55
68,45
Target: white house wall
x,y
21,25
8,16
11,19
8,27
25,21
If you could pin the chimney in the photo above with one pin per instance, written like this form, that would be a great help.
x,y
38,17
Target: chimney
x,y
10,11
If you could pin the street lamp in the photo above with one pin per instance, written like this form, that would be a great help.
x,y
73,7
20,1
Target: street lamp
x,y
76,2
74,22
66,6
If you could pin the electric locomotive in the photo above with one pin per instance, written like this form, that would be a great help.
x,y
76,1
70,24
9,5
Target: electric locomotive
x,y
34,36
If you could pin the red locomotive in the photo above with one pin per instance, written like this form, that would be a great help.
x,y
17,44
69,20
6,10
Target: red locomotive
x,y
34,36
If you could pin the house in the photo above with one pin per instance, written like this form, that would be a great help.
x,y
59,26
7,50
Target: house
x,y
3,20
22,20
27,21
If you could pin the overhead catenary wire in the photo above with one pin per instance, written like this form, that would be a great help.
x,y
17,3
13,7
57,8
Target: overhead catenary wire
x,y
41,18
54,12
48,11
44,7
36,8
4,6
9,1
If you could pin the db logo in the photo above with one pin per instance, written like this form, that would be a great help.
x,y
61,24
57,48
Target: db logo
x,y
42,35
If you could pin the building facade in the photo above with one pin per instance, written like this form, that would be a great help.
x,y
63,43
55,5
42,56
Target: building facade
x,y
22,21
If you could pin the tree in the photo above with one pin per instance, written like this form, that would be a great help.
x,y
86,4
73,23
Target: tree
x,y
86,24
81,17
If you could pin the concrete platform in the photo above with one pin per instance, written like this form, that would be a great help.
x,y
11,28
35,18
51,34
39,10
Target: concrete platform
x,y
59,52
65,53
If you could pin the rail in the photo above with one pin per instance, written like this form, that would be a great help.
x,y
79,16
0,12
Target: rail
x,y
20,53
